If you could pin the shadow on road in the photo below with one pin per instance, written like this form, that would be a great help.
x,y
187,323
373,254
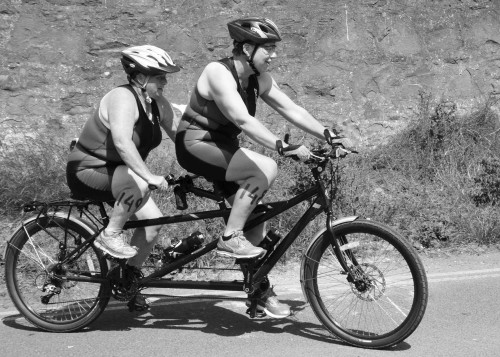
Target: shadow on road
x,y
210,316
207,316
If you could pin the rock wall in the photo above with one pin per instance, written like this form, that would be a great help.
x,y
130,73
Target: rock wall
x,y
359,64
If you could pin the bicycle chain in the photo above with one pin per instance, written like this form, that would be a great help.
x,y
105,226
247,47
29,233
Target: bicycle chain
x,y
123,286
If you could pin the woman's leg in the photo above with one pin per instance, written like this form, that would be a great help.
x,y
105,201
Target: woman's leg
x,y
256,234
223,161
254,173
144,238
131,193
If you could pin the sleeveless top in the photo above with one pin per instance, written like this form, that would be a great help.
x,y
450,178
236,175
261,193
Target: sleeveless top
x,y
205,114
95,147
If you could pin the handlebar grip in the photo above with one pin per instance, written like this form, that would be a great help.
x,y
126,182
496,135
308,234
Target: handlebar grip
x,y
279,147
180,198
328,136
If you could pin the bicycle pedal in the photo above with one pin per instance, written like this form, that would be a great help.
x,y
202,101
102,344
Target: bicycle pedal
x,y
256,314
134,306
252,310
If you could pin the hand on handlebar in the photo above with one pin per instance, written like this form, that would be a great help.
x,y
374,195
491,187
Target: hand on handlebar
x,y
344,145
158,183
296,152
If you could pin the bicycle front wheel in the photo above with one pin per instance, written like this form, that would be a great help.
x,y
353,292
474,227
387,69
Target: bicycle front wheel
x,y
53,297
384,299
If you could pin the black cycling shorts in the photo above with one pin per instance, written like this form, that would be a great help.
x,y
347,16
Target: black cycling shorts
x,y
207,154
92,183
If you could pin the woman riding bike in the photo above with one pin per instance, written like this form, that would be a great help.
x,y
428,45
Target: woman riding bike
x,y
108,161
223,105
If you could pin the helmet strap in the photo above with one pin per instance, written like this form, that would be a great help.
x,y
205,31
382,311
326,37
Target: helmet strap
x,y
142,86
250,60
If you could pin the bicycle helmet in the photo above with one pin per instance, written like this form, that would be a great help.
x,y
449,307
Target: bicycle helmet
x,y
254,29
147,59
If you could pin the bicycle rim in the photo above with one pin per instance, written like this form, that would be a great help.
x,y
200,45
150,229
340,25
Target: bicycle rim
x,y
383,307
46,300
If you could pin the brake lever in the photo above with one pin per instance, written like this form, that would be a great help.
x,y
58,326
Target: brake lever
x,y
321,158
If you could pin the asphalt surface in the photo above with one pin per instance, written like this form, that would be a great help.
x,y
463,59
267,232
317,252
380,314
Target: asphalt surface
x,y
462,319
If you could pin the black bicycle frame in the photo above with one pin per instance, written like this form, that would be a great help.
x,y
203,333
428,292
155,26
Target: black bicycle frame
x,y
266,212
262,212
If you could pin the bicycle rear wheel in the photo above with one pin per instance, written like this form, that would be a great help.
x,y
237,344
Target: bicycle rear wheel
x,y
49,296
386,300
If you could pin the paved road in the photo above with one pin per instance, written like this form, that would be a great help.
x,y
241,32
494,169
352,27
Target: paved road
x,y
462,319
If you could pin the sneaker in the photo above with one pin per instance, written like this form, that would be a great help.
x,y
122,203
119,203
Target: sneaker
x,y
238,247
269,304
115,245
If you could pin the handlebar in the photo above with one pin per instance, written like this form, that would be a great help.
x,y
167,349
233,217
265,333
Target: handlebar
x,y
319,155
171,180
337,151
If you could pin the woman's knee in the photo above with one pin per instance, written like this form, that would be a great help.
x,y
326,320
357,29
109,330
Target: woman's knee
x,y
269,169
247,164
125,179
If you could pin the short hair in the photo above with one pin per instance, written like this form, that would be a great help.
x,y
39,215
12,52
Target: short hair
x,y
237,48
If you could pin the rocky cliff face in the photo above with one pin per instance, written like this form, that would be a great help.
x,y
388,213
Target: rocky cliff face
x,y
359,64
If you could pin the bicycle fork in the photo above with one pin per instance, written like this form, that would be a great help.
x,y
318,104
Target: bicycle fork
x,y
342,249
340,245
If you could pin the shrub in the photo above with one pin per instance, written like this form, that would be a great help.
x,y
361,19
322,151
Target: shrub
x,y
439,164
487,182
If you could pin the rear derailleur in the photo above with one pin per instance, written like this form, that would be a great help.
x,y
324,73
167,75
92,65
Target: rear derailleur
x,y
52,284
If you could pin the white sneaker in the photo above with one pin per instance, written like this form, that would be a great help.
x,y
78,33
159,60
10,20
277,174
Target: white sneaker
x,y
269,304
238,247
115,245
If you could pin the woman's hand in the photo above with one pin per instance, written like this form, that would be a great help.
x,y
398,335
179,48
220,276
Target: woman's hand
x,y
157,183
296,152
338,139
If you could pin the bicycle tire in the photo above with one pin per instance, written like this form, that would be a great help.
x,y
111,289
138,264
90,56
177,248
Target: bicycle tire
x,y
29,255
384,311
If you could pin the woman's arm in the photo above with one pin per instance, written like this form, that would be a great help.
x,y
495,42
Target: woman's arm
x,y
218,84
122,114
169,120
292,112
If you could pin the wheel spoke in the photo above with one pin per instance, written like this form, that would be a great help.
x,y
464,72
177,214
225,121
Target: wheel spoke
x,y
379,300
44,291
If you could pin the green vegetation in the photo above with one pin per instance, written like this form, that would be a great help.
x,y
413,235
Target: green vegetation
x,y
437,181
